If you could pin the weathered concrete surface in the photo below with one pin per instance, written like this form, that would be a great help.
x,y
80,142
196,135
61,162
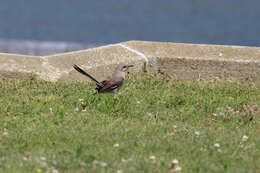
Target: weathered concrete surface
x,y
19,66
98,61
184,61
58,68
209,62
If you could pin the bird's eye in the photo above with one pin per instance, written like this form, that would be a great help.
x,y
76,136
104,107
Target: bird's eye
x,y
124,66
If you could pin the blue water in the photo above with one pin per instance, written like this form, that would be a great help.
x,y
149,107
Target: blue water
x,y
100,22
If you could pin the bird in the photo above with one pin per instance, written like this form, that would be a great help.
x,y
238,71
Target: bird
x,y
111,84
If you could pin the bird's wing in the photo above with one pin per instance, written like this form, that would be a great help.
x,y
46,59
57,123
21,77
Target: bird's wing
x,y
111,84
85,73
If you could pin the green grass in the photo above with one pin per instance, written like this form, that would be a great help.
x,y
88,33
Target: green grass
x,y
40,131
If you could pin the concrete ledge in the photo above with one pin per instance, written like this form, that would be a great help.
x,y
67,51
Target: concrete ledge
x,y
206,62
184,61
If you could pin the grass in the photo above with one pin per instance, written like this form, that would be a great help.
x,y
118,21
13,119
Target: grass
x,y
153,120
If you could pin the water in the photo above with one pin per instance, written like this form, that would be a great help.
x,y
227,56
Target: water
x,y
97,22
33,47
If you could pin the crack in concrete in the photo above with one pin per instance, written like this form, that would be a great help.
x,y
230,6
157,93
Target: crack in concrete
x,y
135,51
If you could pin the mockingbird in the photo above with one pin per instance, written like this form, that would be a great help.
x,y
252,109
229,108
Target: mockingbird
x,y
113,83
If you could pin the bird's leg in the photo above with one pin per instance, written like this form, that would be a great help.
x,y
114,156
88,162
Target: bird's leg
x,y
115,96
95,97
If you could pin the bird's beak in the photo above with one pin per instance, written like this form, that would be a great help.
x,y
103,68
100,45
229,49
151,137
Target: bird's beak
x,y
130,66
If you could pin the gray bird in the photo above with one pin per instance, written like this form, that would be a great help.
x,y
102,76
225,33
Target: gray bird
x,y
113,83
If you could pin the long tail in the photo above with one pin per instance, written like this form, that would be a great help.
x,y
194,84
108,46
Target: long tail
x,y
86,74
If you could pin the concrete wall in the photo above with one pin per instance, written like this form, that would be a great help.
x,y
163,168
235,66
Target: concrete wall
x,y
184,61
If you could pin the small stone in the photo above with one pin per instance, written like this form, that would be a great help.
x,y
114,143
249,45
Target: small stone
x,y
175,161
152,157
103,164
177,169
245,138
55,171
5,133
119,171
215,114
216,145
116,145
197,133
43,158
174,126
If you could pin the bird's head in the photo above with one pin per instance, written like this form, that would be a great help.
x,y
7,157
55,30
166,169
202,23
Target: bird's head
x,y
123,67
121,70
